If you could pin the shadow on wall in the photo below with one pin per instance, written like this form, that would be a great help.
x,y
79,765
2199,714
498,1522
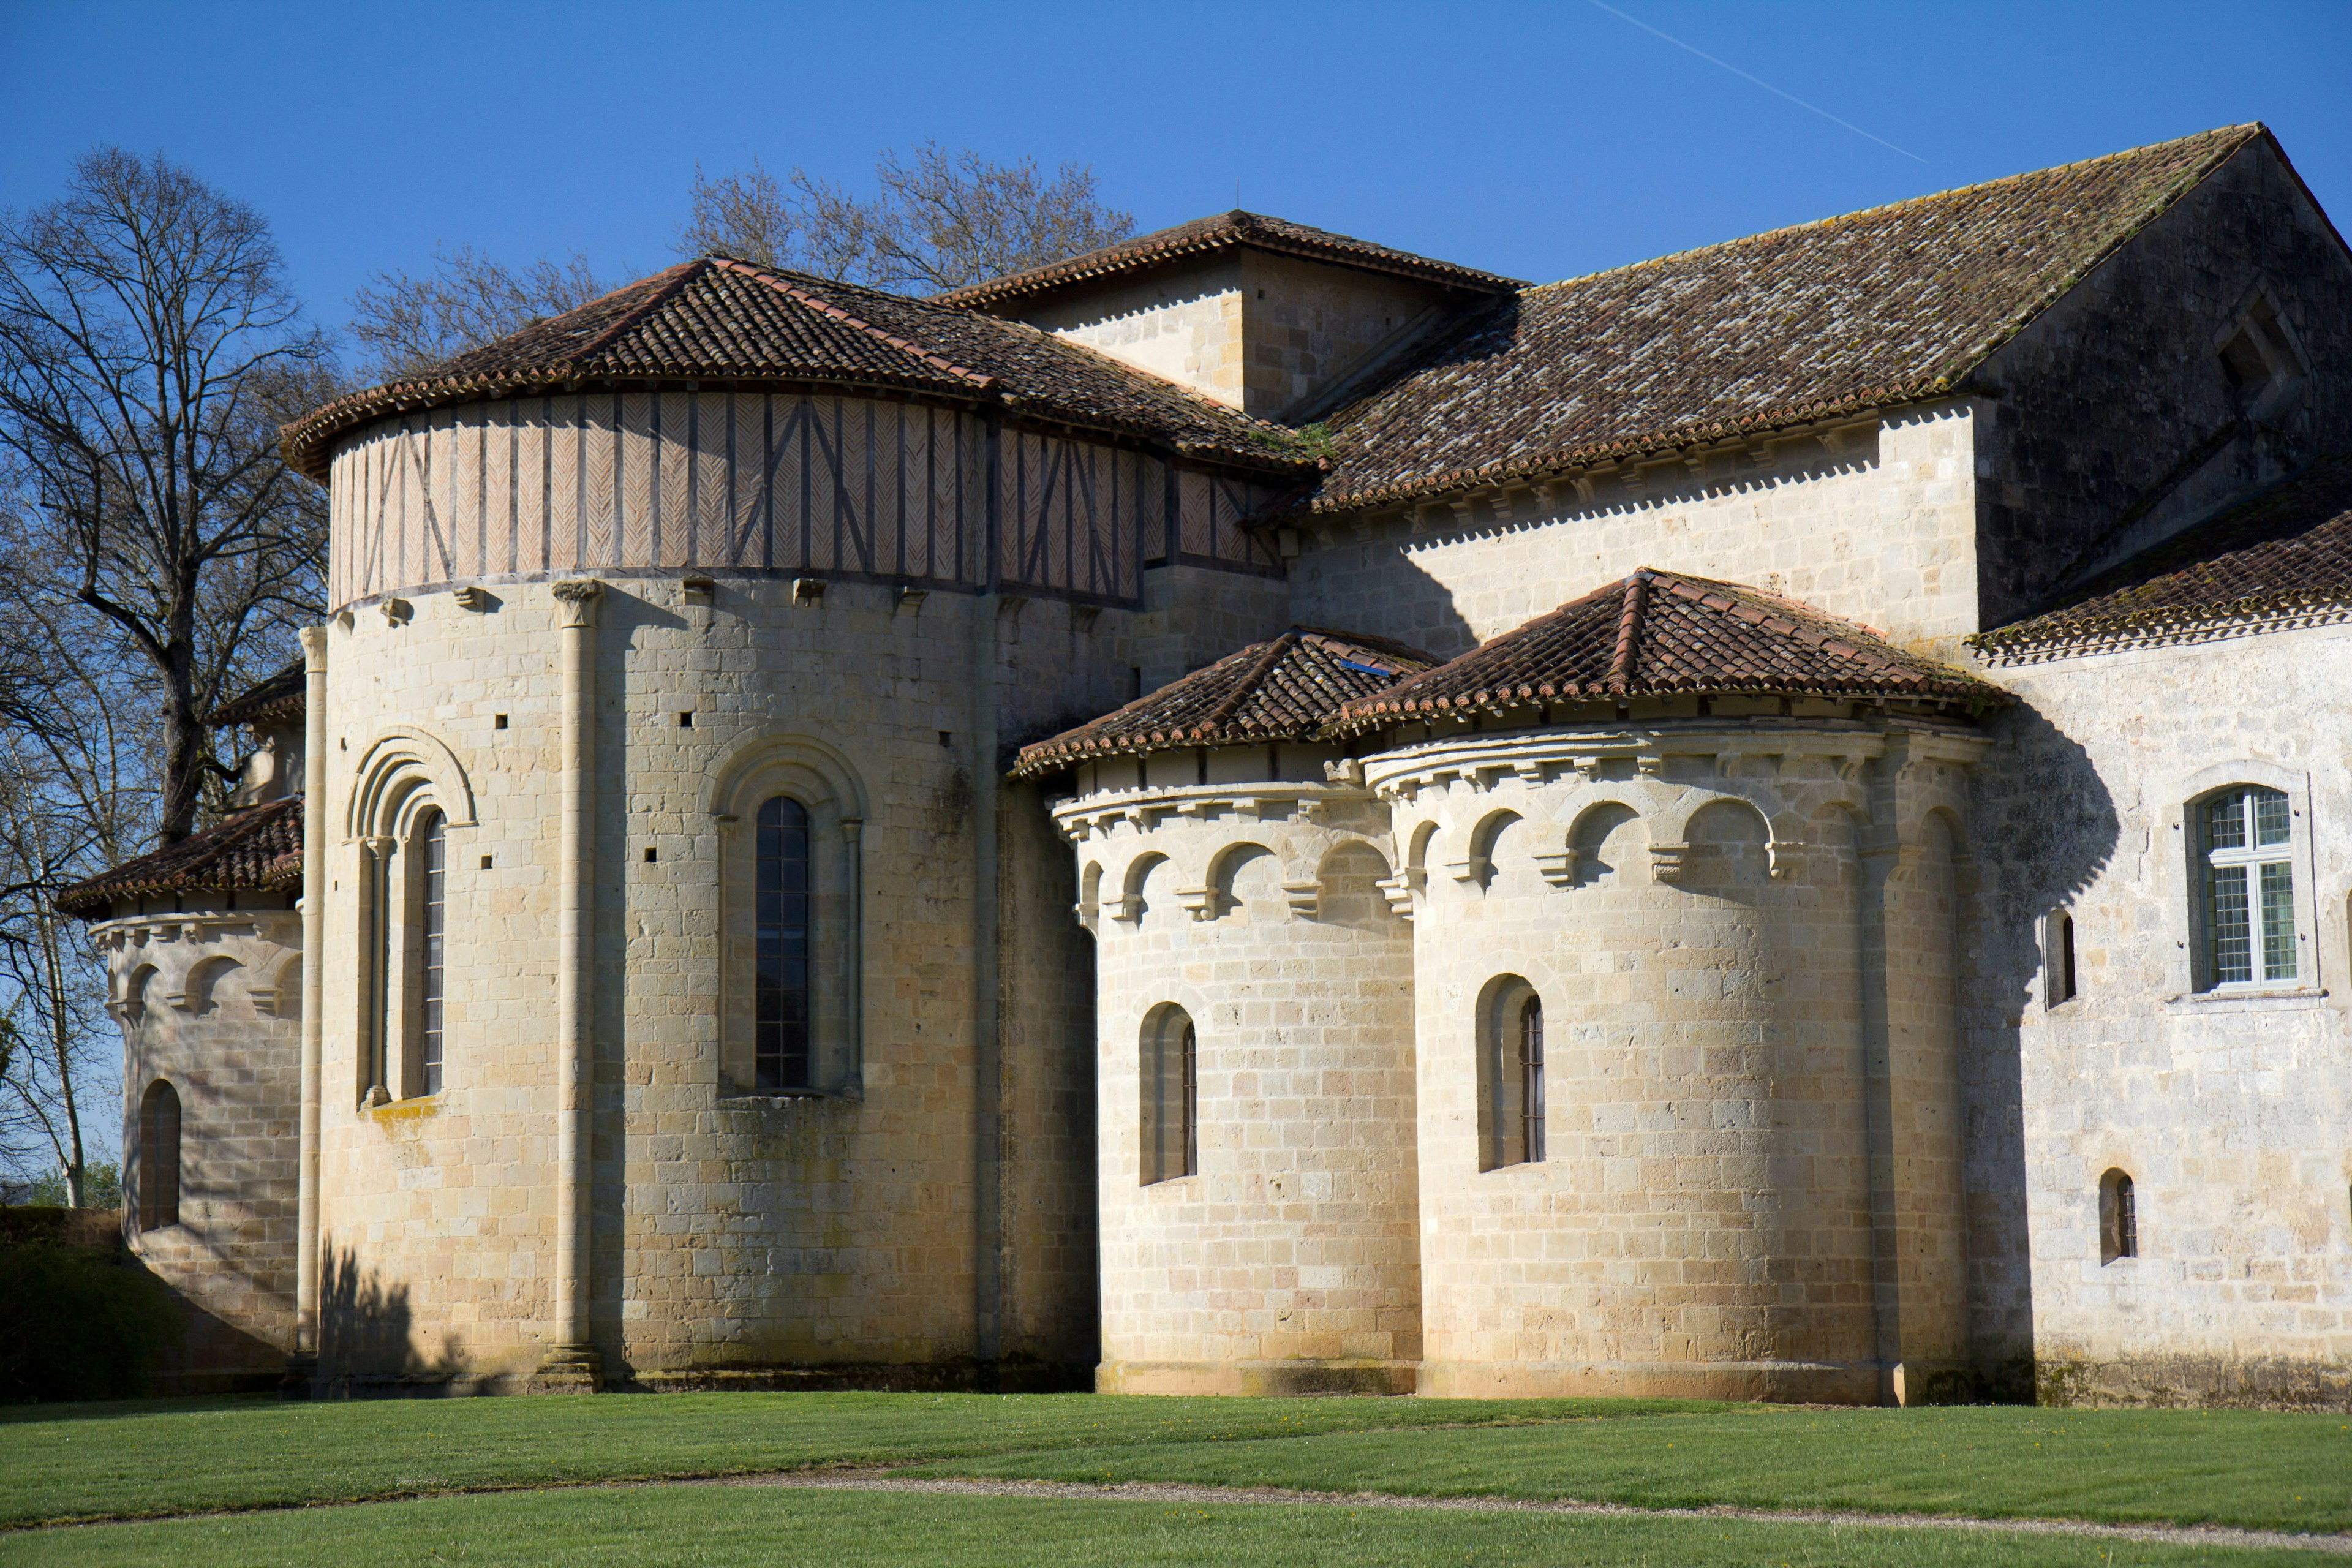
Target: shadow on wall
x,y
2044,827
364,1333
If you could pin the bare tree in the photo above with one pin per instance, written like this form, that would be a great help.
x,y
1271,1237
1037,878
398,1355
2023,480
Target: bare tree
x,y
149,350
405,323
936,220
73,796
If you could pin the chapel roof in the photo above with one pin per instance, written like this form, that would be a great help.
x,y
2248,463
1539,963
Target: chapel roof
x,y
1284,689
1817,322
2283,557
1660,634
717,317
1226,231
275,699
259,849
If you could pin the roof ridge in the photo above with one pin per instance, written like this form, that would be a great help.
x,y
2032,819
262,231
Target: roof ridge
x,y
1277,648
1629,629
2253,128
669,280
811,299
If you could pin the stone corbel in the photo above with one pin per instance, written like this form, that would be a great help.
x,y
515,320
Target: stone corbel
x,y
1666,862
398,612
1303,897
1201,903
1650,764
1089,915
179,1001
1471,871
1347,771
1398,890
1127,909
1781,858
1558,867
472,597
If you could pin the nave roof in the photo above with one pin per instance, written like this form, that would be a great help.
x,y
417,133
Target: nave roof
x,y
1823,320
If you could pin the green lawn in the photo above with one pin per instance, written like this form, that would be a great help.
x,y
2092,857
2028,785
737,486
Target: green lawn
x,y
666,1526
2252,1469
177,1457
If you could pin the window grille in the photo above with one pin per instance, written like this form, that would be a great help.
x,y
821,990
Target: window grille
x,y
2246,837
782,1009
159,1156
430,992
2119,1218
1531,1077
1510,1042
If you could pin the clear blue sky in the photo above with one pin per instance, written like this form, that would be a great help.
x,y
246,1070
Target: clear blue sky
x,y
1539,141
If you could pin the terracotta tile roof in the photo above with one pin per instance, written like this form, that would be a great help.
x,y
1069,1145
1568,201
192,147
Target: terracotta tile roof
x,y
1828,318
1227,231
1280,689
257,849
1658,634
2283,558
276,701
715,318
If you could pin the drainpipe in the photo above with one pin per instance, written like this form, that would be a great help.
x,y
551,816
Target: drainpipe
x,y
303,1365
572,1362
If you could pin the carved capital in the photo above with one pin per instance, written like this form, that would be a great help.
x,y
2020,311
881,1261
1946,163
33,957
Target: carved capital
x,y
1201,903
397,612
1127,910
575,604
1558,867
1666,862
314,649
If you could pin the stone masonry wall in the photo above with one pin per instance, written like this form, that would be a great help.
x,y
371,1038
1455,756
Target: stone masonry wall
x,y
1289,1263
1694,910
1876,524
729,1232
2228,1112
210,1002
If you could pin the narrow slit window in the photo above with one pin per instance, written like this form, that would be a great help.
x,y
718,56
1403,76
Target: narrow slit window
x,y
2061,958
2119,1218
1510,1027
159,1156
1170,1109
782,1007
2246,839
1531,1077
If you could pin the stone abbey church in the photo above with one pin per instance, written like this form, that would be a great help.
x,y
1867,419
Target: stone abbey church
x,y
1252,812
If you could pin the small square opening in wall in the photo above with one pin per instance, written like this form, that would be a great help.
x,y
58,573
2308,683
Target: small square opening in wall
x,y
498,722
946,737
486,862
652,855
686,721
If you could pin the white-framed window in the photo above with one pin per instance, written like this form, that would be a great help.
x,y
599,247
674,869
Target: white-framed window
x,y
2245,875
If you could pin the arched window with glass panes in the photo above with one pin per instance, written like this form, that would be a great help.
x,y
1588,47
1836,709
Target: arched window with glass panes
x,y
2245,889
782,1005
